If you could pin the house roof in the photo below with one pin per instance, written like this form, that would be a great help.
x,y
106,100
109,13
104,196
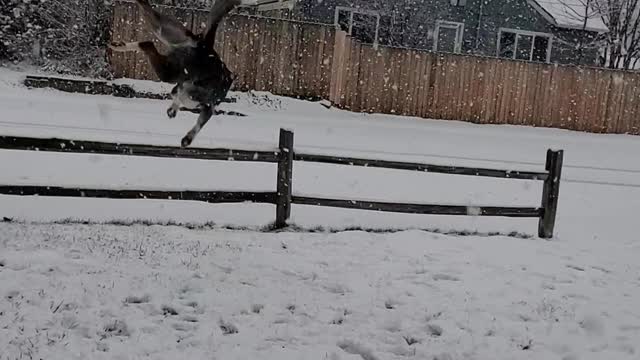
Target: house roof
x,y
569,14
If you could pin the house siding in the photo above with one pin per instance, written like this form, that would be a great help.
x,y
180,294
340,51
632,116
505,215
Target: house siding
x,y
411,23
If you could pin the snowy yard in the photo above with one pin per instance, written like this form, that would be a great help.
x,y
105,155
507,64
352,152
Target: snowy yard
x,y
103,291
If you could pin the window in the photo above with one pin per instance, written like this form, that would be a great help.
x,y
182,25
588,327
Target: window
x,y
458,2
363,25
448,36
524,45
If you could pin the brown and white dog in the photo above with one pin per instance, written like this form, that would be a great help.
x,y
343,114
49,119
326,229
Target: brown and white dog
x,y
202,78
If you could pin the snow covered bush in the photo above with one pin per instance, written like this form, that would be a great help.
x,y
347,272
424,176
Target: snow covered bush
x,y
64,36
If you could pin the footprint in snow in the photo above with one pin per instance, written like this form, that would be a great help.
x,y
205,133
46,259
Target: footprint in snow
x,y
116,328
102,346
169,310
575,267
606,271
74,254
391,304
434,330
353,348
191,304
336,289
13,294
137,299
227,327
340,317
410,340
190,318
445,277
592,325
184,326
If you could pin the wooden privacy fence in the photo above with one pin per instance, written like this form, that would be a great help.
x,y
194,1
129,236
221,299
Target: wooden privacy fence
x,y
285,57
315,61
283,197
482,89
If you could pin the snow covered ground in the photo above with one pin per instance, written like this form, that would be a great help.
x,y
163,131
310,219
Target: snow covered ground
x,y
69,290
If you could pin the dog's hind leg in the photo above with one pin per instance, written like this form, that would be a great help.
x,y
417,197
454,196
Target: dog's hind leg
x,y
168,30
205,114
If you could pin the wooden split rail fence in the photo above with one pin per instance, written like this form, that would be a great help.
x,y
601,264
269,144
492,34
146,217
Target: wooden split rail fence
x,y
283,197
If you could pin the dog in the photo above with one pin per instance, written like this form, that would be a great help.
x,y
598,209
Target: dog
x,y
202,79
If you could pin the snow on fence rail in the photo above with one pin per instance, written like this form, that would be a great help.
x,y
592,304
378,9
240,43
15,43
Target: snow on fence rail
x,y
282,197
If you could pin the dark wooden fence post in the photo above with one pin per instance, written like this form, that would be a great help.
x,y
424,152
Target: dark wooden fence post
x,y
550,193
285,170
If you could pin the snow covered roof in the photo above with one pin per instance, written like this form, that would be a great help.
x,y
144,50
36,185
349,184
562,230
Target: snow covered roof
x,y
569,14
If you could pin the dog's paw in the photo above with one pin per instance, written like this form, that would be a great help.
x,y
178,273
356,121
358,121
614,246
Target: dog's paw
x,y
172,112
186,141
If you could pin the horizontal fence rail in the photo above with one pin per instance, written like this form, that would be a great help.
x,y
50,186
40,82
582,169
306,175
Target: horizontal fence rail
x,y
283,197
442,169
421,208
103,148
204,196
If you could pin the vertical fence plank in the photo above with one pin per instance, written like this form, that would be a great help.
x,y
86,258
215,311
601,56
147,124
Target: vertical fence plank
x,y
285,172
550,193
115,58
337,75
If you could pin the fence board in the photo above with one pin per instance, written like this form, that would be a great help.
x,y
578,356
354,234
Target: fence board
x,y
629,115
326,45
129,35
91,147
114,58
404,92
204,196
442,169
419,208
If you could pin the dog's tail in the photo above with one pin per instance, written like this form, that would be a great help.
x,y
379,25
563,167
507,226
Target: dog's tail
x,y
219,9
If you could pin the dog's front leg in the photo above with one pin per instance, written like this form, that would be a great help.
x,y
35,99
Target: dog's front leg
x,y
205,114
172,111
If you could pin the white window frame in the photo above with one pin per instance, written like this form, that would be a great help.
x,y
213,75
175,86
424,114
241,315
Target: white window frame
x,y
458,26
351,11
519,33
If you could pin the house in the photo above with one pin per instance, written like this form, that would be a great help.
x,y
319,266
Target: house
x,y
556,31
